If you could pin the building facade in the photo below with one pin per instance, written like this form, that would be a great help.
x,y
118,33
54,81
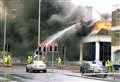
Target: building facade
x,y
116,35
97,47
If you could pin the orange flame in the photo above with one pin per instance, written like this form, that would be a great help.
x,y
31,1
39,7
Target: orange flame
x,y
102,25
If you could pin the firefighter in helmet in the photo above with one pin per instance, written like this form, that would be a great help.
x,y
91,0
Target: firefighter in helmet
x,y
29,59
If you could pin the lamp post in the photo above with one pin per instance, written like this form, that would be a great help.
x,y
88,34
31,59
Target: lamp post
x,y
5,26
4,29
39,26
39,22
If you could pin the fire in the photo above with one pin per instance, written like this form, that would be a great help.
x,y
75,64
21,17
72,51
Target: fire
x,y
102,25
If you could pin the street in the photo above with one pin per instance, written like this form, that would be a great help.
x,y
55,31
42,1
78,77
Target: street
x,y
18,74
79,40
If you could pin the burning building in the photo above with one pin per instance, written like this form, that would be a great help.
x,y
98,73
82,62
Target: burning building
x,y
97,45
116,36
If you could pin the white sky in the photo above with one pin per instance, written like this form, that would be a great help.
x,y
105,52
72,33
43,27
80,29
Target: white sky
x,y
99,6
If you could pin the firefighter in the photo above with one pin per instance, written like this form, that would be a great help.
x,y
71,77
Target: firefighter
x,y
9,60
29,59
59,61
109,65
5,60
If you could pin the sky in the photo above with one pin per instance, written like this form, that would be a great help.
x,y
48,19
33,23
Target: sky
x,y
99,6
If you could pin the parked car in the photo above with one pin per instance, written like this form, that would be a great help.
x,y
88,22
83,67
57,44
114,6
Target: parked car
x,y
93,67
36,66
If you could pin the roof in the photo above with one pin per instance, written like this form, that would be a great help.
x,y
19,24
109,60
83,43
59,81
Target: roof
x,y
103,32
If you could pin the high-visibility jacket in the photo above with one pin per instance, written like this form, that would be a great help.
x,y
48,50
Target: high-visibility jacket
x,y
29,59
59,60
108,63
5,59
111,64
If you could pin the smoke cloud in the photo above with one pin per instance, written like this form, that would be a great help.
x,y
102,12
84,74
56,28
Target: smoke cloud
x,y
70,13
56,18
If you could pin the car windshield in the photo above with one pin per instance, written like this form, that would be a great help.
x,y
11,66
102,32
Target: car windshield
x,y
98,65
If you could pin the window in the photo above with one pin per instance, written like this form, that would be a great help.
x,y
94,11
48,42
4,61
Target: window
x,y
50,48
117,35
117,57
89,51
44,48
55,48
105,51
40,49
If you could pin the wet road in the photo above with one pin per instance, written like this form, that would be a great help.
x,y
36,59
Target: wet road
x,y
18,74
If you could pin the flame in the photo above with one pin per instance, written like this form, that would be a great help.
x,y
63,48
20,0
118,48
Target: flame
x,y
102,25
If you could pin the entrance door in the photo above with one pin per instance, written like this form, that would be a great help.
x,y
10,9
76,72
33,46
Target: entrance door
x,y
105,51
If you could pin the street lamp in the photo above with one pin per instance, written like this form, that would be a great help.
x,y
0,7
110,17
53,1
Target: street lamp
x,y
39,22
4,30
39,26
5,26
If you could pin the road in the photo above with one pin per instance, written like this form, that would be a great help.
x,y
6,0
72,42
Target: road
x,y
18,74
